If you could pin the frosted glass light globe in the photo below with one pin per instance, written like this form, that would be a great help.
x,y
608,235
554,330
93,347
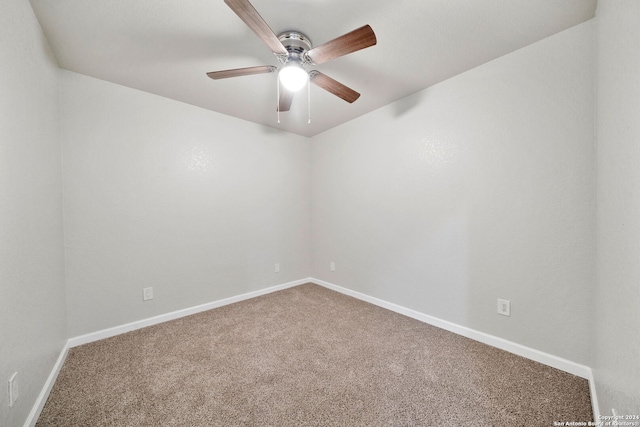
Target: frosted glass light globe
x,y
293,77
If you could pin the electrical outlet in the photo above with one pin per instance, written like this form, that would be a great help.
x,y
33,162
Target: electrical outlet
x,y
13,389
504,307
147,294
277,268
332,266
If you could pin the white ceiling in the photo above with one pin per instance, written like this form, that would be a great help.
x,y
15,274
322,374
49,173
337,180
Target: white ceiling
x,y
165,47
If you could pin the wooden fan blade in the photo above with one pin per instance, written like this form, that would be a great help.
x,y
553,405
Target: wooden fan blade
x,y
237,72
351,42
333,86
286,97
252,18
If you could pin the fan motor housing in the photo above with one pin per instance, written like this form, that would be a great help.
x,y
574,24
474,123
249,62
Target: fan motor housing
x,y
296,43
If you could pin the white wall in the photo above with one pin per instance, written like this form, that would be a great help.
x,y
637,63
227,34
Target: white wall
x,y
198,205
32,311
617,296
481,187
478,188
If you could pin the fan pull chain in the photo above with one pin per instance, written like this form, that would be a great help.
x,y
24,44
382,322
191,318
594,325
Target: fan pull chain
x,y
278,98
309,98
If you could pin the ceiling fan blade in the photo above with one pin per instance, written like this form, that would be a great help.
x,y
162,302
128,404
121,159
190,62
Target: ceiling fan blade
x,y
252,18
353,41
333,86
237,72
286,97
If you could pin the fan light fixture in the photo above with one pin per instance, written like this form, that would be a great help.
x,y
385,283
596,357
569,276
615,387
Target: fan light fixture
x,y
293,77
295,51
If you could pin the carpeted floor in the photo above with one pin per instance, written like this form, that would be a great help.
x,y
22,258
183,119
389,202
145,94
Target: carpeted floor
x,y
306,356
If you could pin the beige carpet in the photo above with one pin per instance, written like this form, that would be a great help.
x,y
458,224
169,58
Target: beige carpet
x,y
306,356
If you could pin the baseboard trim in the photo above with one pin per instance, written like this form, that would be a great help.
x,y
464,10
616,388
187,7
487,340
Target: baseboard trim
x,y
117,330
46,389
594,397
139,324
521,350
565,365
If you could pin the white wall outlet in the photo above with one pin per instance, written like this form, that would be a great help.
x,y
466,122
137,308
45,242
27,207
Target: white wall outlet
x,y
277,267
504,307
147,294
332,266
13,389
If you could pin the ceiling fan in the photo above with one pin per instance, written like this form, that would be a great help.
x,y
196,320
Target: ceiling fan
x,y
294,51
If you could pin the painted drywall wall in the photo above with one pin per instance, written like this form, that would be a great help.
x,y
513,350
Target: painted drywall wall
x,y
617,296
198,205
478,188
32,303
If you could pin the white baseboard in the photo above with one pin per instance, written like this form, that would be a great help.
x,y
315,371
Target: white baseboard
x,y
521,350
48,385
139,324
117,330
594,397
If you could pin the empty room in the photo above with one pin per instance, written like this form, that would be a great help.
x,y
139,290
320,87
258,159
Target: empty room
x,y
320,213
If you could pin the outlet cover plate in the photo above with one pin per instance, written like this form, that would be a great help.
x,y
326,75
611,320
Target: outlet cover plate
x,y
147,294
13,389
504,307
